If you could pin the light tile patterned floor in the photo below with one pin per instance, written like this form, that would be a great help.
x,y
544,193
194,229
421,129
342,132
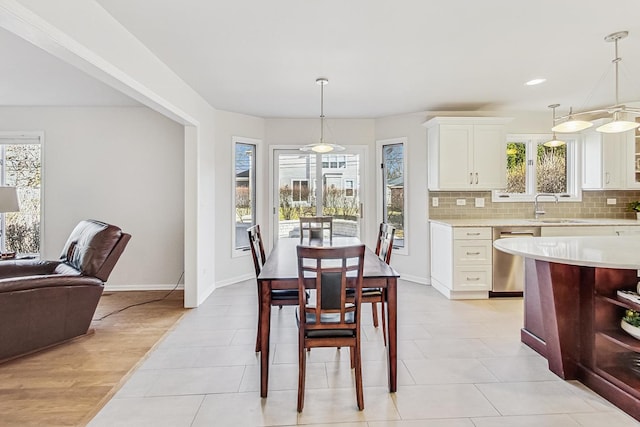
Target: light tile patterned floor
x,y
461,364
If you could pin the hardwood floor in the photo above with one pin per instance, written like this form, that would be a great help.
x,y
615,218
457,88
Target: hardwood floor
x,y
68,384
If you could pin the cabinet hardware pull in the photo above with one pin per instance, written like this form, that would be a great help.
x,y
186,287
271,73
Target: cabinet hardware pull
x,y
476,178
473,234
607,180
470,177
470,279
473,253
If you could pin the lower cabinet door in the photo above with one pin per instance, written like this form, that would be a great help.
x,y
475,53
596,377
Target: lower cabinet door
x,y
472,278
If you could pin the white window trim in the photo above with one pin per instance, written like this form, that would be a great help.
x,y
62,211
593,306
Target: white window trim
x,y
32,137
379,190
573,175
258,155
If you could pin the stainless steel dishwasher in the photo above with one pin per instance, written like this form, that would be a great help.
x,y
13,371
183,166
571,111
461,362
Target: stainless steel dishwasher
x,y
508,270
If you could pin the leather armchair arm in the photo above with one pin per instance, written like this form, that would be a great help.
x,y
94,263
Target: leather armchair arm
x,y
46,281
27,267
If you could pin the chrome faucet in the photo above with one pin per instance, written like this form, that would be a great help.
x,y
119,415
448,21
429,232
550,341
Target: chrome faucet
x,y
537,211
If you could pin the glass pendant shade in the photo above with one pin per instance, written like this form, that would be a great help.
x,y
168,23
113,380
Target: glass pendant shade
x,y
554,142
322,147
572,125
617,125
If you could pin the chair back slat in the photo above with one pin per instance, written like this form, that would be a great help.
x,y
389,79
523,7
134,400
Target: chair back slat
x,y
257,248
384,245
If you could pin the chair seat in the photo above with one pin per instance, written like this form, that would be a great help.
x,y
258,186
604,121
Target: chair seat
x,y
328,318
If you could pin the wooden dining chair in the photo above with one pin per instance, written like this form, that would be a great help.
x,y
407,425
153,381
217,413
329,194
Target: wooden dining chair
x,y
279,297
314,228
384,247
331,319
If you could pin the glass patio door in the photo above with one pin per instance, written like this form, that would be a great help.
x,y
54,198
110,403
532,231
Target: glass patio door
x,y
310,184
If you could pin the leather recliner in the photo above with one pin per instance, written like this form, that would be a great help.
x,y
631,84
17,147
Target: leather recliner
x,y
44,303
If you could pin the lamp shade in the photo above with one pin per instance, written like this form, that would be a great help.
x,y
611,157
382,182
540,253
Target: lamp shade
x,y
9,199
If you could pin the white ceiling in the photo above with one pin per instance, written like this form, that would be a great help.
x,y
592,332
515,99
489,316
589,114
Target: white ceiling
x,y
382,57
29,76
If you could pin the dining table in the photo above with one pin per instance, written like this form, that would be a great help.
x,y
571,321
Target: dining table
x,y
280,271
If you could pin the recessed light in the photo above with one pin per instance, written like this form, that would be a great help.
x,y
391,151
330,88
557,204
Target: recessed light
x,y
535,82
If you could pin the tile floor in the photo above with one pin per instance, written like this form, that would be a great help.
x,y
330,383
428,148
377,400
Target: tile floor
x,y
461,364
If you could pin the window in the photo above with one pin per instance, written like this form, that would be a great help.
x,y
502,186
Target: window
x,y
534,168
300,190
393,168
332,161
348,187
245,151
21,167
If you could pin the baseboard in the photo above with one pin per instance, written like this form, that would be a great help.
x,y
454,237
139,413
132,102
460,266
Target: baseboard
x,y
415,279
148,287
234,280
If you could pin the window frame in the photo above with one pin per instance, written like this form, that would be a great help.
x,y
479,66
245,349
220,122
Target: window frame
x,y
574,185
380,190
293,191
27,137
257,143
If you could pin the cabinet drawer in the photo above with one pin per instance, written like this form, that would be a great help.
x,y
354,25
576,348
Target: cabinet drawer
x,y
471,233
477,278
472,252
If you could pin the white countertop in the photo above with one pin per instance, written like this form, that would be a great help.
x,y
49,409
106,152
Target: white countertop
x,y
591,251
542,222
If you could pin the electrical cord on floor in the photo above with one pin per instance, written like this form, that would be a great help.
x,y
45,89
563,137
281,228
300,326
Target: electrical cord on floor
x,y
143,302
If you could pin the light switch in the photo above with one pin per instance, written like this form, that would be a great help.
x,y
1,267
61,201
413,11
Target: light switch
x,y
479,202
611,201
461,202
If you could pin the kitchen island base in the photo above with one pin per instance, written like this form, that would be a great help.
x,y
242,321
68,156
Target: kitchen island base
x,y
572,318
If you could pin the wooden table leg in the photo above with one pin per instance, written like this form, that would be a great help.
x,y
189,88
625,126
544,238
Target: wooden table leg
x,y
392,329
265,326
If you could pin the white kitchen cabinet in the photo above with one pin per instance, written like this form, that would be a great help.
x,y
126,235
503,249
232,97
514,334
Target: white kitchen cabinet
x,y
633,159
466,153
461,261
605,160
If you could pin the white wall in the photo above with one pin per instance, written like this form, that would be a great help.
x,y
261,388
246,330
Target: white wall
x,y
415,265
124,166
232,269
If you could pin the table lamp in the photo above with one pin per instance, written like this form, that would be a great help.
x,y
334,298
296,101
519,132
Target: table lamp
x,y
8,203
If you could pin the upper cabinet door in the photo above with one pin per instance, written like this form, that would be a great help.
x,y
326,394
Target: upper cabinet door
x,y
605,158
456,156
466,153
490,169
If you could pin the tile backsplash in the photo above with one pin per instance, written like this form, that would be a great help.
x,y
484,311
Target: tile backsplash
x,y
593,205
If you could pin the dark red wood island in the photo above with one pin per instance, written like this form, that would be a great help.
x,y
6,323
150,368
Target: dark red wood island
x,y
572,312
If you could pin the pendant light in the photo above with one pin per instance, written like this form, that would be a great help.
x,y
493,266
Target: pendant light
x,y
622,117
555,142
322,146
